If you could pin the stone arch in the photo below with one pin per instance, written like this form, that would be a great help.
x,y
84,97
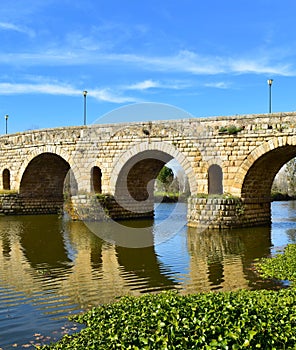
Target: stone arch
x,y
256,174
144,153
6,179
44,178
41,150
215,179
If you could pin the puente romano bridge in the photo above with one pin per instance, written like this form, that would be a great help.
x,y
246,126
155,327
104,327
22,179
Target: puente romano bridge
x,y
230,163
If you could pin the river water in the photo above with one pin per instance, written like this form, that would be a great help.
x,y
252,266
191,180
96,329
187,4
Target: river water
x,y
51,268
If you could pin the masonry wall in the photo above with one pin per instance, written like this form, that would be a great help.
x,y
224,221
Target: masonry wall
x,y
196,143
204,213
102,208
14,204
222,213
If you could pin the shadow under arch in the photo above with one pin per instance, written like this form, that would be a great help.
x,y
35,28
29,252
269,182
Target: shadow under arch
x,y
157,154
134,175
259,177
43,182
263,163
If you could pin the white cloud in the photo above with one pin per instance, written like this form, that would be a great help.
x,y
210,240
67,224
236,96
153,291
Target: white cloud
x,y
242,66
143,85
51,89
182,62
109,96
218,85
17,28
149,84
61,89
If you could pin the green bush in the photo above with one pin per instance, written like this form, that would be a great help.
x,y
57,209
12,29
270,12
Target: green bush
x,y
229,320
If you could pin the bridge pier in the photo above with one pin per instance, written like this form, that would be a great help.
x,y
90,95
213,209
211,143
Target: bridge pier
x,y
204,213
92,207
225,213
15,204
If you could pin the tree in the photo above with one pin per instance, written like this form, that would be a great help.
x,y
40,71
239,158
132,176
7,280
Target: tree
x,y
290,172
166,177
285,180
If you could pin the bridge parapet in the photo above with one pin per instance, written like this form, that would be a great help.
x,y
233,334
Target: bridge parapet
x,y
248,149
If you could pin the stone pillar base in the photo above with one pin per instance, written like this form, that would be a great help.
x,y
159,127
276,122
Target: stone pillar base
x,y
225,213
14,204
92,207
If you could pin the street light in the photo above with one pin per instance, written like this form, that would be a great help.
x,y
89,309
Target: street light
x,y
6,119
269,82
84,94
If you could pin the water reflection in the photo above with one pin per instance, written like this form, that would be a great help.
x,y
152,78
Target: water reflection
x,y
42,242
223,260
50,267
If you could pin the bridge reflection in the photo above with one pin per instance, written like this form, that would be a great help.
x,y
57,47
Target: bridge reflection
x,y
45,255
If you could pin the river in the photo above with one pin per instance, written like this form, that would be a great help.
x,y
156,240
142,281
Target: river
x,y
51,268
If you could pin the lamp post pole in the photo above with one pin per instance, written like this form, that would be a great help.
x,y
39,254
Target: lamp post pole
x,y
269,81
6,119
84,95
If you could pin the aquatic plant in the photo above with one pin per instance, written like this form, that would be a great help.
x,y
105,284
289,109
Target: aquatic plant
x,y
226,320
282,266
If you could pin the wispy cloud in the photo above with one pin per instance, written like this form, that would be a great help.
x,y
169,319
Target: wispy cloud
x,y
105,95
190,62
182,62
16,28
157,84
108,96
50,89
259,66
143,85
218,85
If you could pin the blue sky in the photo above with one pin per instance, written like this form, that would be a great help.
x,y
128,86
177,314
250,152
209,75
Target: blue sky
x,y
208,57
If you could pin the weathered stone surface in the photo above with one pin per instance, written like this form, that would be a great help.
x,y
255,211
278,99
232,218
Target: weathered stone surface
x,y
249,156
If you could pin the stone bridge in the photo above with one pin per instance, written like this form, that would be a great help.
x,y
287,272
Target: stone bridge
x,y
230,163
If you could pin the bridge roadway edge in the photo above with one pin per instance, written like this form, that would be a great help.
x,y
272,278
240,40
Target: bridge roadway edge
x,y
236,154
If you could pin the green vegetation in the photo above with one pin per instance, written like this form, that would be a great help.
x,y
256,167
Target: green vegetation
x,y
284,185
279,196
282,266
221,196
166,177
8,191
231,129
291,176
226,320
170,187
229,320
168,197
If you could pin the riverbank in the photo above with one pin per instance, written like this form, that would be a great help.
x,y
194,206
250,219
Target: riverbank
x,y
278,196
49,263
224,320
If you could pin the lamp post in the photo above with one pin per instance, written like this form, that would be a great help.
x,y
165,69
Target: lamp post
x,y
84,94
269,82
6,119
